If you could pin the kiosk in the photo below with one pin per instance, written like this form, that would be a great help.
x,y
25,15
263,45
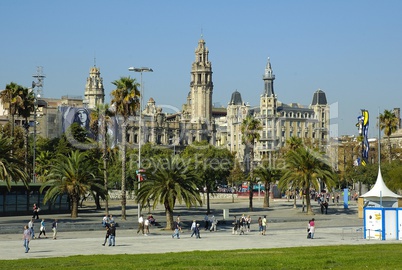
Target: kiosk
x,y
381,216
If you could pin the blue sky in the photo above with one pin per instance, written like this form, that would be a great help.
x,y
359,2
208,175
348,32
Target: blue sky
x,y
352,50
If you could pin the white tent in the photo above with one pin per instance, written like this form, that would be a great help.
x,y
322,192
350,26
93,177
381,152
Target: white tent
x,y
380,192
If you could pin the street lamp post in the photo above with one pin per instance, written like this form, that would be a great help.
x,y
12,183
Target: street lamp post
x,y
140,70
38,84
34,137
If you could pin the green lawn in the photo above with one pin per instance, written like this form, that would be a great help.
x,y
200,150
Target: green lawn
x,y
372,256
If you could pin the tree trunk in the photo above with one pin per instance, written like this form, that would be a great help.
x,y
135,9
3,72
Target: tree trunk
x,y
389,150
12,128
105,159
74,206
308,203
294,200
251,180
26,144
123,171
208,206
97,201
169,217
266,195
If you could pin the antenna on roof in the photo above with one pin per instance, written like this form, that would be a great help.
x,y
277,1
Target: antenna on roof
x,y
39,76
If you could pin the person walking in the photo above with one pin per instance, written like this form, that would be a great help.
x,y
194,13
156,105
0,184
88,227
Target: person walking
x,y
242,224
259,225
176,228
179,222
206,221
31,228
26,236
141,224
235,225
54,229
112,236
248,222
264,225
107,234
35,210
312,228
193,226
42,228
213,222
197,231
146,226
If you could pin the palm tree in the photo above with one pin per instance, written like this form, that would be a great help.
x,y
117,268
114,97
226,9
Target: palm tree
x,y
11,168
126,102
101,117
72,175
294,142
250,129
43,164
389,123
305,169
10,97
171,180
268,175
25,108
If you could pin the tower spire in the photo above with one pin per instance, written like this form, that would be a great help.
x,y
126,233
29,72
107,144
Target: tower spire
x,y
268,78
94,91
201,85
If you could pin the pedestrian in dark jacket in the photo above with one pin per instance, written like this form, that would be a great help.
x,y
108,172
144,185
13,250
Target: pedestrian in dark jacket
x,y
107,226
112,236
197,231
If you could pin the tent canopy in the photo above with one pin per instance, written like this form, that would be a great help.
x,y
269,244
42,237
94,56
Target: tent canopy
x,y
380,190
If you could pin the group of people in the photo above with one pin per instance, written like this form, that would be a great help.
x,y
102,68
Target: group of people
x,y
210,223
29,231
107,220
145,223
241,225
110,225
110,234
177,228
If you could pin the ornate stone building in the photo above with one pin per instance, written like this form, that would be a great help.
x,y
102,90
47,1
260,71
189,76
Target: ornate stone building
x,y
279,121
94,91
199,120
196,120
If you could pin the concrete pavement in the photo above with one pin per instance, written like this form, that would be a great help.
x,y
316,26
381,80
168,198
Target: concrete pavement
x,y
84,235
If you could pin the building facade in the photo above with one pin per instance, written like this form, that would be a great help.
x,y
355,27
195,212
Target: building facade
x,y
199,120
279,121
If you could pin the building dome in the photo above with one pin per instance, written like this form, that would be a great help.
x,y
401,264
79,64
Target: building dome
x,y
236,99
319,98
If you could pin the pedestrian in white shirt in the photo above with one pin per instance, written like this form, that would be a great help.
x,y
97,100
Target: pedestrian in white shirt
x,y
140,224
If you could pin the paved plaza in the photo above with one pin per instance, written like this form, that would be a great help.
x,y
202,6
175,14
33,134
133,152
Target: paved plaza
x,y
84,235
